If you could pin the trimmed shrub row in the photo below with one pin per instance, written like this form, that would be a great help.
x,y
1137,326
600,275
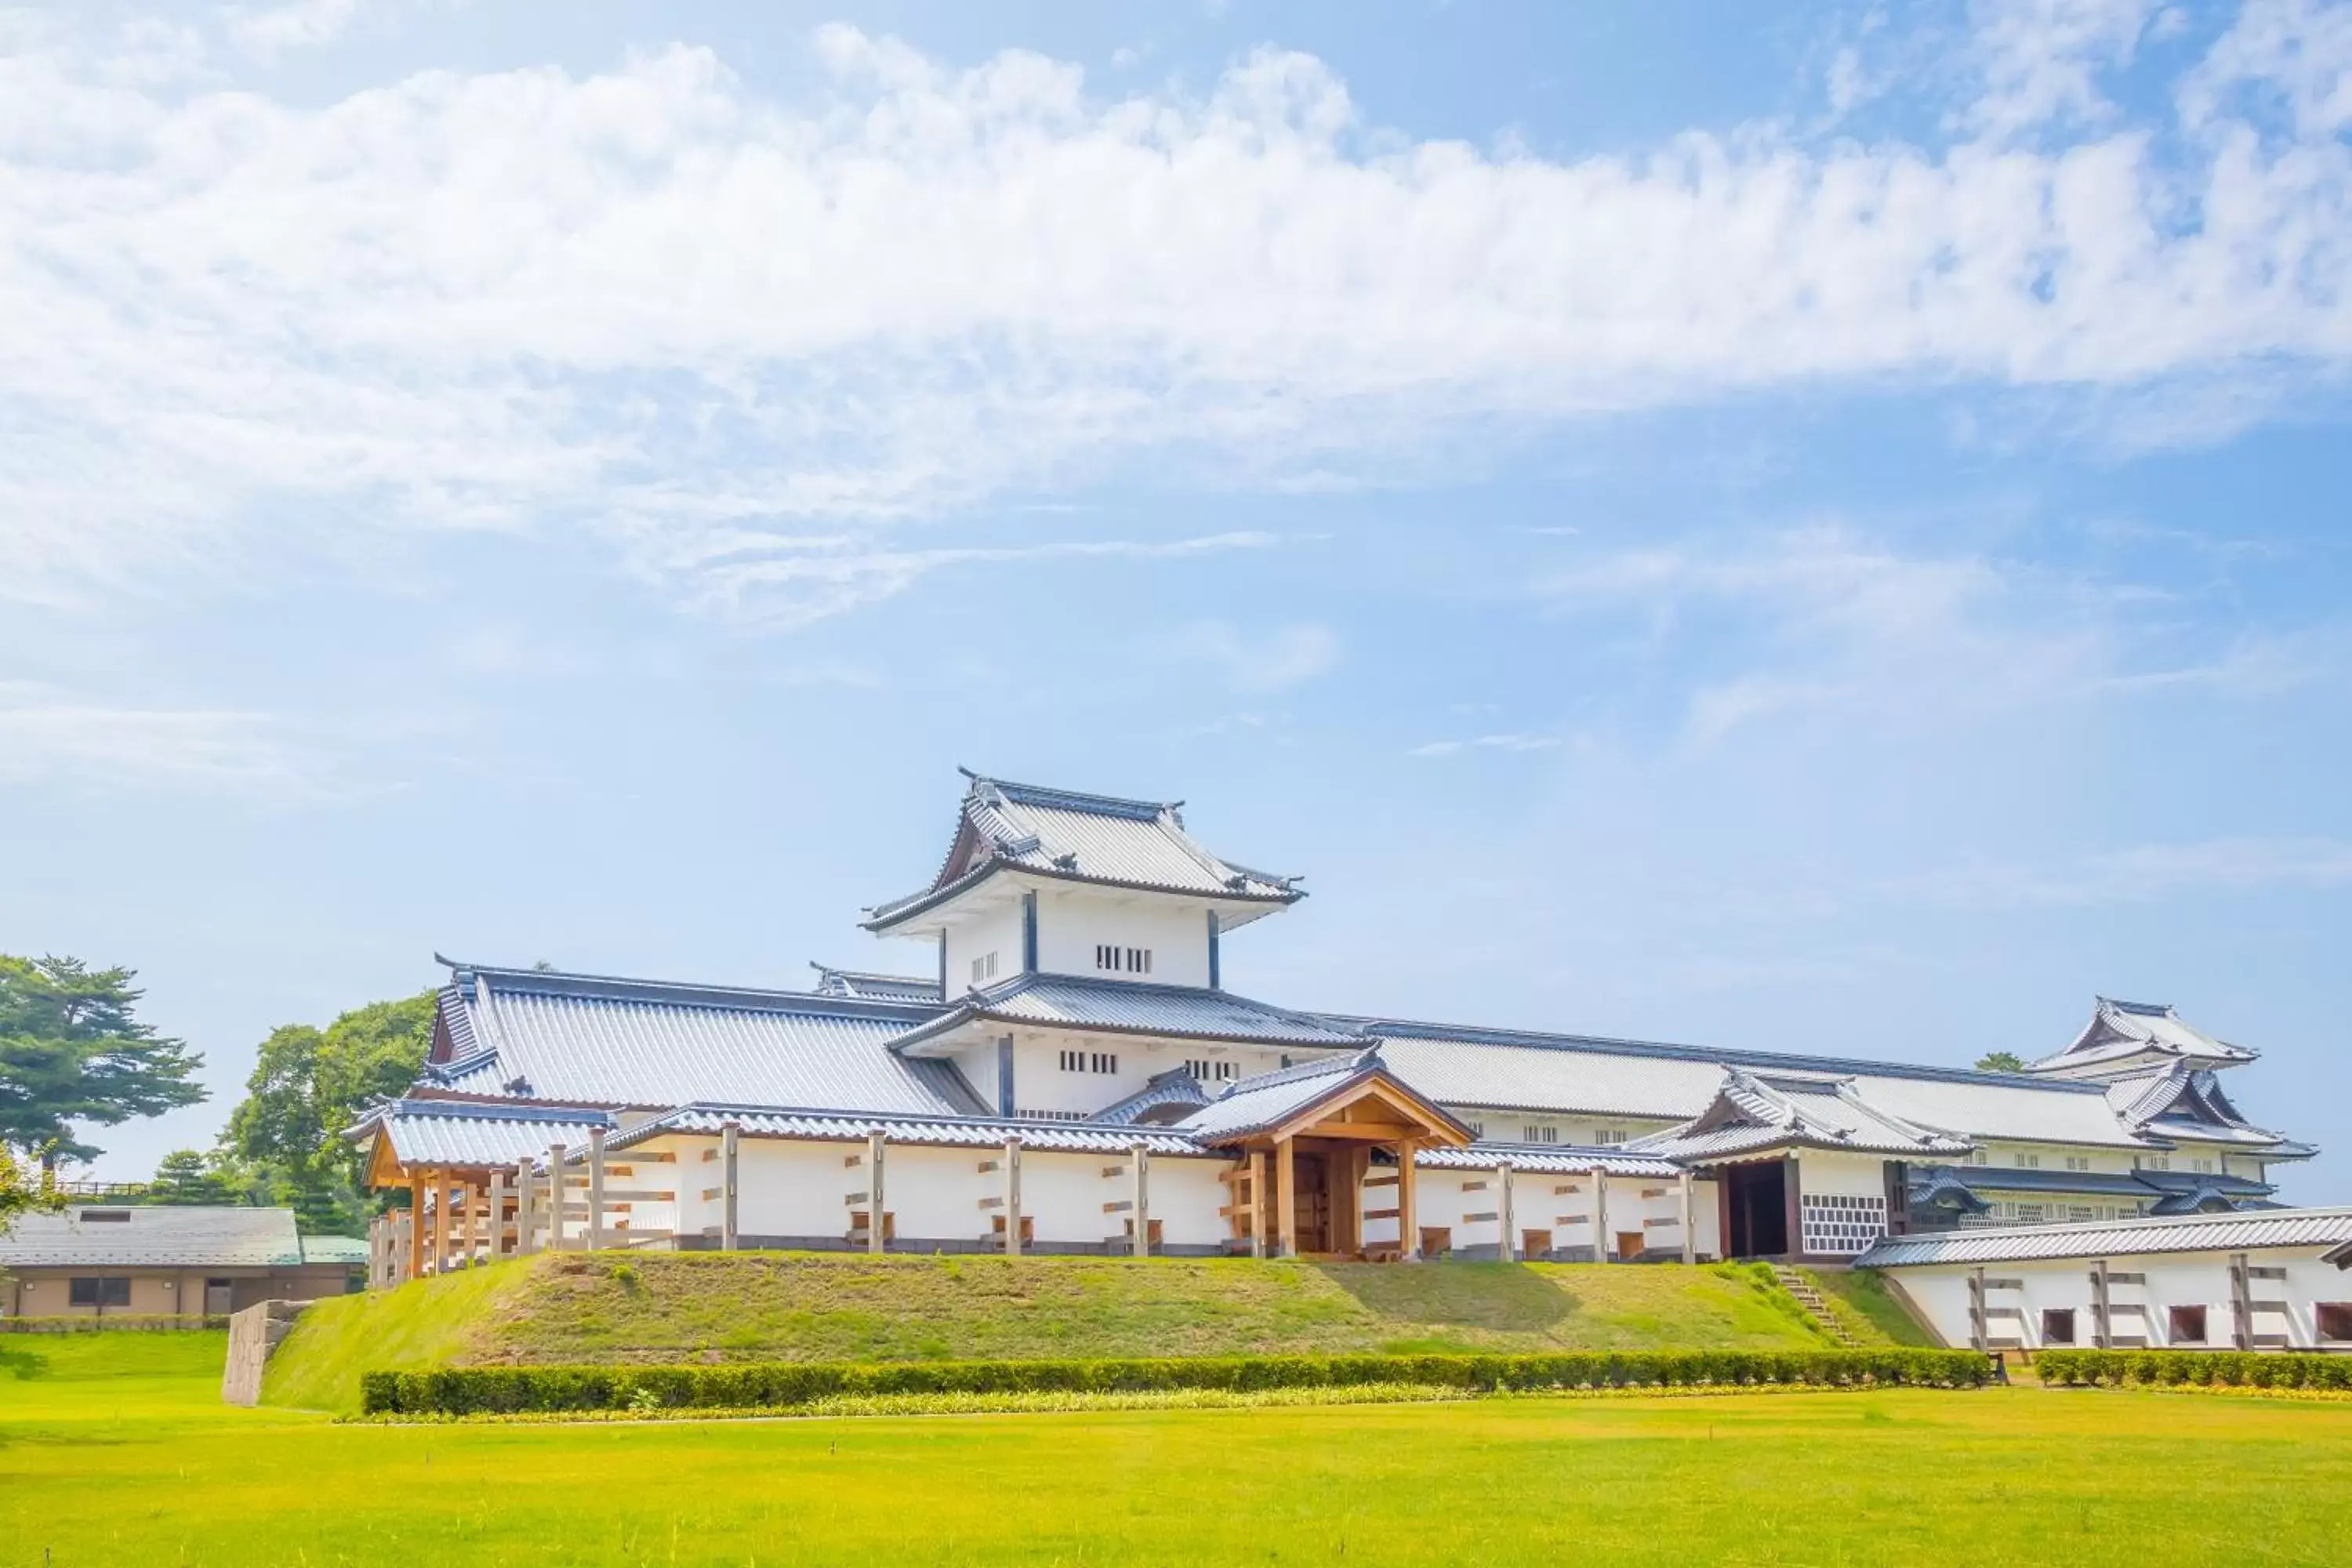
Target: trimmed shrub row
x,y
2233,1369
109,1323
461,1391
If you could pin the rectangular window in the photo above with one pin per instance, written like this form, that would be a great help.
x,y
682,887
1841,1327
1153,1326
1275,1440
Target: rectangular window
x,y
2033,1213
2155,1163
1978,1157
1074,1061
1122,960
1608,1135
93,1293
2078,1161
2335,1321
2079,1211
2204,1165
2058,1326
2028,1161
2186,1326
1105,1062
983,968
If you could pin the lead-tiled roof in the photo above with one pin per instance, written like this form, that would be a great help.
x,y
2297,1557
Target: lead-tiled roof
x,y
2117,1238
426,1132
595,1040
1083,837
1131,1007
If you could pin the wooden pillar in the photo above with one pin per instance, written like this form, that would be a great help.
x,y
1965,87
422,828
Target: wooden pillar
x,y
595,1189
730,1168
498,1213
458,1234
1505,1249
558,1191
2241,1303
1686,1215
436,1221
416,1223
1348,1216
1601,1251
878,1225
1011,1197
1286,1198
2101,1330
1408,1211
1141,1169
1257,1178
526,1216
1791,1191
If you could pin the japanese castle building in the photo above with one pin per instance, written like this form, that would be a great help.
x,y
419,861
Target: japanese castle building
x,y
1073,1074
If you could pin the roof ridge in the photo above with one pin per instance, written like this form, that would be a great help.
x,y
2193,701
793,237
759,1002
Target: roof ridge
x,y
682,993
1051,795
1375,1027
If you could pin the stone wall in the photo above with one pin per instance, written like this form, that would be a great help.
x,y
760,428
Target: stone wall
x,y
252,1335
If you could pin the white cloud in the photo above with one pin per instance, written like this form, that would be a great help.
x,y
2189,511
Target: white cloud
x,y
2042,59
1823,619
750,339
48,735
794,580
1499,742
1281,657
2142,873
267,32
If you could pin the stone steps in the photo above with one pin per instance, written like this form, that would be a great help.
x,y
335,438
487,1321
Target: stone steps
x,y
1797,1284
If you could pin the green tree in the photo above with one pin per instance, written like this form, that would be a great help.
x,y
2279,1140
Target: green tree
x,y
71,1050
2000,1061
190,1176
24,1189
284,1140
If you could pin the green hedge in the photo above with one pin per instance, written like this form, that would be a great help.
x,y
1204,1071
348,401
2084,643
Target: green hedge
x,y
469,1390
2235,1369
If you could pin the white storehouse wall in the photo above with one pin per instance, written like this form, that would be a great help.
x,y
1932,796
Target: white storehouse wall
x,y
1940,1291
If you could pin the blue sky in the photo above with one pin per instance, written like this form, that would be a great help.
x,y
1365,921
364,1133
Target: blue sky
x,y
1820,530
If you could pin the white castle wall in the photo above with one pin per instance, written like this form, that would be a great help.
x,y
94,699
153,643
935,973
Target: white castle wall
x,y
1940,1290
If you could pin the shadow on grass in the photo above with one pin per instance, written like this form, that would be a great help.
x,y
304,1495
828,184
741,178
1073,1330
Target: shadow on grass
x,y
22,1361
1509,1298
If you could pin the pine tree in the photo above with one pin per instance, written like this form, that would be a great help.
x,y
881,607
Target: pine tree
x,y
71,1050
188,1176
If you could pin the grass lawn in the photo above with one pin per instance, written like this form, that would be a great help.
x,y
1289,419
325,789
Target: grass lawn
x,y
781,1306
115,1453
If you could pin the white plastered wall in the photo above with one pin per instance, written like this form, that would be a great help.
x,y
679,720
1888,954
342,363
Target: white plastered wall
x,y
995,928
1071,924
2173,1279
1040,1083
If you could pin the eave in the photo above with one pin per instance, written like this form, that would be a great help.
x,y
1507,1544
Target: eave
x,y
885,918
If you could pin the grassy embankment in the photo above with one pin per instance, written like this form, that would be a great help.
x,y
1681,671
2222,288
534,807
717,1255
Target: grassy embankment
x,y
668,1307
1861,1301
116,1452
